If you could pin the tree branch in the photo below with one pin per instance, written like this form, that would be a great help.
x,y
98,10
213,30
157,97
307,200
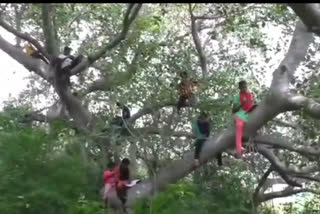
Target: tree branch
x,y
23,36
107,83
207,17
147,109
309,178
48,29
34,117
278,166
18,16
130,16
153,130
262,181
286,124
36,65
281,143
285,193
310,106
77,111
299,45
80,67
309,14
196,39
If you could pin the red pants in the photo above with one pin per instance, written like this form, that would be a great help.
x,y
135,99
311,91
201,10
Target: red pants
x,y
239,133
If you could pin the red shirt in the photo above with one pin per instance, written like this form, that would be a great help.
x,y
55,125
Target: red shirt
x,y
109,177
246,100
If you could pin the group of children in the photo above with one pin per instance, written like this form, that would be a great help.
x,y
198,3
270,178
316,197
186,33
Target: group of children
x,y
243,104
118,177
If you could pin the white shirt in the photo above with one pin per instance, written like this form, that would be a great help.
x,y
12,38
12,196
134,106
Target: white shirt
x,y
66,60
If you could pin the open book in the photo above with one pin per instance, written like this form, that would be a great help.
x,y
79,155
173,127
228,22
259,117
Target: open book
x,y
132,183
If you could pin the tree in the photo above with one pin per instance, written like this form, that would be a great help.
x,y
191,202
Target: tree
x,y
61,23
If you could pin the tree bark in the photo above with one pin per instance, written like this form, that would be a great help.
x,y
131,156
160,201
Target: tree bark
x,y
49,30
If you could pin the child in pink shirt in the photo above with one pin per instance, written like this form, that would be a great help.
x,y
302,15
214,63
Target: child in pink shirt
x,y
109,177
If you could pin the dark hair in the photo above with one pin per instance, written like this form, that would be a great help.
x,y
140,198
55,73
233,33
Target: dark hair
x,y
183,74
111,165
118,104
242,83
67,49
125,161
203,115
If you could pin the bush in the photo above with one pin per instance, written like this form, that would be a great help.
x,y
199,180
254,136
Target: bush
x,y
37,176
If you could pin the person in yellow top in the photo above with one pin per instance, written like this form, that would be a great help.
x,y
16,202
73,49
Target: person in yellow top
x,y
29,49
33,52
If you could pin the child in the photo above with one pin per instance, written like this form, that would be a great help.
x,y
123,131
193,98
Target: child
x,y
109,177
201,128
242,105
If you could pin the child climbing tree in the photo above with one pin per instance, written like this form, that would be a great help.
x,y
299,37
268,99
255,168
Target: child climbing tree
x,y
65,63
185,89
33,52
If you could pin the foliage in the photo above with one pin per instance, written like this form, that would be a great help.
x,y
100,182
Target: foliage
x,y
37,175
219,192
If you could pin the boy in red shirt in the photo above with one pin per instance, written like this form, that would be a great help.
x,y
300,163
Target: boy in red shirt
x,y
243,103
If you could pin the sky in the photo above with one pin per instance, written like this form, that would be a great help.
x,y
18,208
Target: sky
x,y
12,79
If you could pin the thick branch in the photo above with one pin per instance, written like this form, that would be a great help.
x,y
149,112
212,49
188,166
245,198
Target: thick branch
x,y
196,39
48,29
310,106
286,124
262,181
153,130
299,45
285,193
77,111
23,36
309,14
278,166
54,112
147,109
309,178
208,17
281,143
34,117
80,67
18,16
130,16
36,65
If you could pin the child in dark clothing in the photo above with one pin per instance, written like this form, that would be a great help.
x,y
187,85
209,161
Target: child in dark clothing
x,y
201,128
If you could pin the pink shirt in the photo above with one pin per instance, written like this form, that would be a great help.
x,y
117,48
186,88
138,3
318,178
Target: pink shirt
x,y
109,177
